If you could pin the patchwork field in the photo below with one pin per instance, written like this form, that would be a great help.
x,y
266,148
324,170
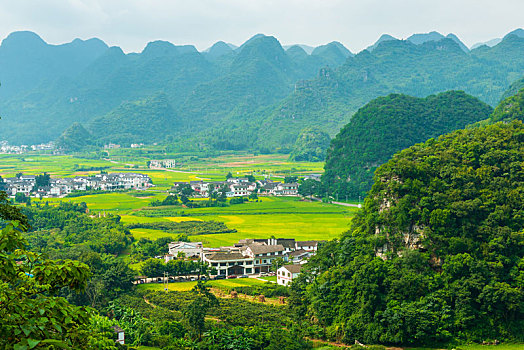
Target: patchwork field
x,y
127,160
272,216
279,217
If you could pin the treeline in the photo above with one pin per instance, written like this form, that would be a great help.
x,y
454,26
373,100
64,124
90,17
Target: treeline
x,y
189,228
59,227
216,200
177,267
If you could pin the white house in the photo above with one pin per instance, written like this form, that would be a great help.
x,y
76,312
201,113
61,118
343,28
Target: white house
x,y
263,255
190,249
287,273
309,246
229,263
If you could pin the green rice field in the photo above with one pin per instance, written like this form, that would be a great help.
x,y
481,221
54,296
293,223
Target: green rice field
x,y
186,286
270,216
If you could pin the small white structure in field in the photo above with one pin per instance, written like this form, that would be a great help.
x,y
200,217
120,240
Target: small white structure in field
x,y
190,249
287,273
120,334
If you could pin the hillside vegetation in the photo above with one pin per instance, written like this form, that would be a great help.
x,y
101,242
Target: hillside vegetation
x,y
511,108
311,145
387,125
45,92
436,254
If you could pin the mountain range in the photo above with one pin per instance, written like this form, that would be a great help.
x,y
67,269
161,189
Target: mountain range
x,y
257,96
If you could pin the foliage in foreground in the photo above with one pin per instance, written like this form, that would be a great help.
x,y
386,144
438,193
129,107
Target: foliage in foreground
x,y
437,254
32,315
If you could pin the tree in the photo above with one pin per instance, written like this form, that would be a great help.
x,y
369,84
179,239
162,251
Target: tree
x,y
309,187
186,190
223,193
229,176
277,263
251,178
290,179
21,197
31,313
11,213
42,180
153,268
197,309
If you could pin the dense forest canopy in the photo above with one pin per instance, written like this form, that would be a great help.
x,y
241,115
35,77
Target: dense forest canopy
x,y
311,145
387,125
437,253
511,108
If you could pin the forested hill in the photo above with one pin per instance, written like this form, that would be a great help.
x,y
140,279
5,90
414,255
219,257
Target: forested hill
x,y
511,108
387,125
436,255
514,88
394,66
257,96
45,88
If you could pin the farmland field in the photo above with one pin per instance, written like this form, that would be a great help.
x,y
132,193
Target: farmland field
x,y
279,217
186,286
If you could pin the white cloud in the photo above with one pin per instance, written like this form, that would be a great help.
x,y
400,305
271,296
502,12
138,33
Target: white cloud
x,y
356,23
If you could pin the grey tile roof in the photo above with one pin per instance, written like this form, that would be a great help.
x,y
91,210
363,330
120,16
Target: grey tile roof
x,y
293,268
262,248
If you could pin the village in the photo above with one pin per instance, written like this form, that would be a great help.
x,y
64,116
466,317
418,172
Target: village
x,y
43,186
283,257
238,187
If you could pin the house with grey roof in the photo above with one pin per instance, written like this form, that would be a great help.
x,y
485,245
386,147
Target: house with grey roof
x,y
229,263
264,255
287,273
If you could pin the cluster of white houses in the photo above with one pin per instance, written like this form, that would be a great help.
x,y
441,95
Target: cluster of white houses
x,y
239,186
161,164
60,187
248,256
6,148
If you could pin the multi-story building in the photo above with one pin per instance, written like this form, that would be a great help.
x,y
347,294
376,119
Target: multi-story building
x,y
230,262
263,255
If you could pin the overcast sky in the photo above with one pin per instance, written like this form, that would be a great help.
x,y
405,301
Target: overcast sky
x,y
130,24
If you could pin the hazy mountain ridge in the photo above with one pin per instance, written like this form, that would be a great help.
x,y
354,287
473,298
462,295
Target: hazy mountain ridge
x,y
258,94
395,66
245,76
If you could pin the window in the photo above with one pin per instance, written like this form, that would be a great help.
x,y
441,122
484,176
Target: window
x,y
264,261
